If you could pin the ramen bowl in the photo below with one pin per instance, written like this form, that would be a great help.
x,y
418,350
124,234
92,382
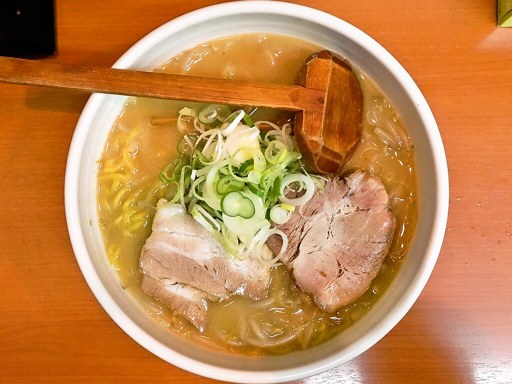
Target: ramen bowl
x,y
327,31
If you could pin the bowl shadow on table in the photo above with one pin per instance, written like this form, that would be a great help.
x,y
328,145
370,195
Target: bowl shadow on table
x,y
421,337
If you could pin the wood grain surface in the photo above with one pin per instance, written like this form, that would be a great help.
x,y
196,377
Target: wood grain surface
x,y
460,330
161,85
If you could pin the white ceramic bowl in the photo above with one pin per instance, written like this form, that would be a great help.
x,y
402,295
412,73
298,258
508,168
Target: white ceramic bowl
x,y
334,34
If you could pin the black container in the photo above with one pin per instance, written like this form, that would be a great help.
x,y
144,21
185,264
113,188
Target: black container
x,y
27,28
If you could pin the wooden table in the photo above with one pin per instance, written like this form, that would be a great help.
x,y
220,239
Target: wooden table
x,y
460,331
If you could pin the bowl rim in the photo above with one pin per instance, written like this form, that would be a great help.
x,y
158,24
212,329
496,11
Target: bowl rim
x,y
400,308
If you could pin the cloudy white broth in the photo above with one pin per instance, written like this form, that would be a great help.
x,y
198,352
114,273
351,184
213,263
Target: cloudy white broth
x,y
144,139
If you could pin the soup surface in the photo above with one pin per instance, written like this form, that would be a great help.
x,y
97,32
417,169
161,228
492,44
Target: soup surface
x,y
144,140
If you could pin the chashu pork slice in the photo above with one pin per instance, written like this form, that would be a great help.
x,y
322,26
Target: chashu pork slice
x,y
339,239
181,251
189,302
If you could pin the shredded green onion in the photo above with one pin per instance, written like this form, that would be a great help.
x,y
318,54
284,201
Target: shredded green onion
x,y
248,120
236,181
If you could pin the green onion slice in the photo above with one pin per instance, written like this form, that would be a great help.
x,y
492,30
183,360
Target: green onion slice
x,y
279,214
228,184
235,204
214,112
